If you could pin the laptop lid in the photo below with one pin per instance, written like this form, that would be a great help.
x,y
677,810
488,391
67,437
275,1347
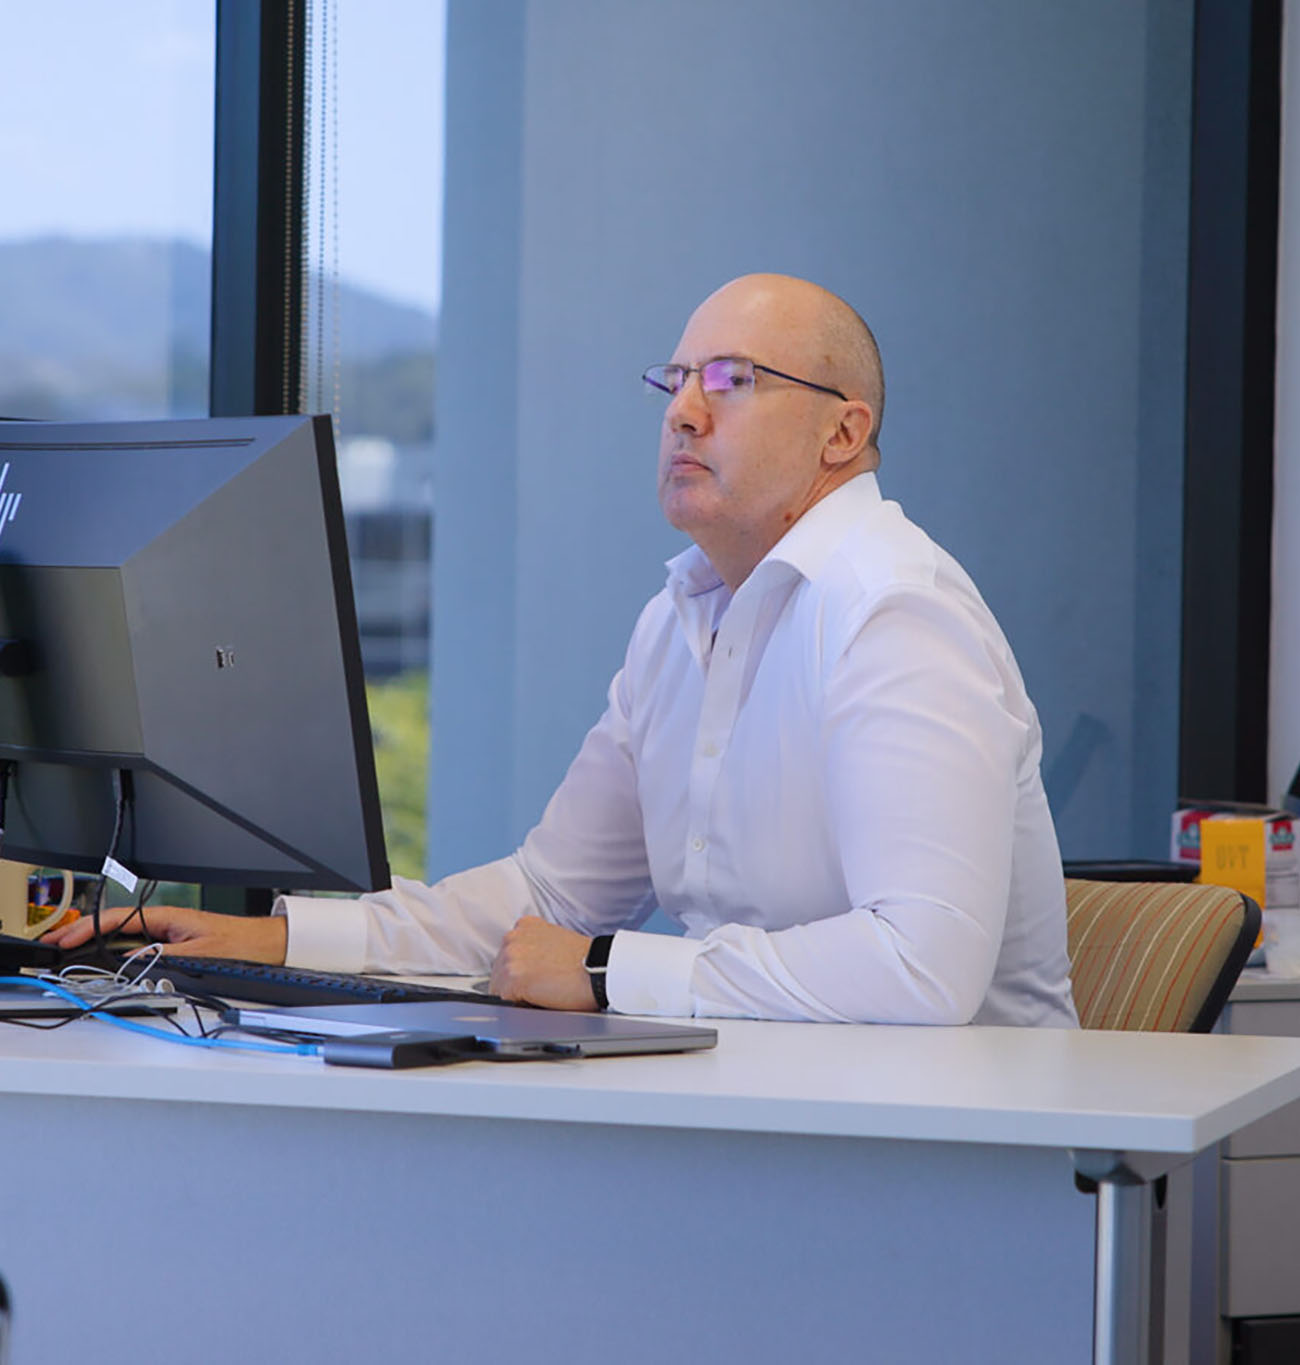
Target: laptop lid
x,y
507,1030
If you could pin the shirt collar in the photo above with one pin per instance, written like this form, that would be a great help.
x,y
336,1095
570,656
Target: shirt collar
x,y
811,541
691,574
699,597
805,547
698,593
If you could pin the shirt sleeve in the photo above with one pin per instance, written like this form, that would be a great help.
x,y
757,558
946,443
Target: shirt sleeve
x,y
583,866
921,753
453,927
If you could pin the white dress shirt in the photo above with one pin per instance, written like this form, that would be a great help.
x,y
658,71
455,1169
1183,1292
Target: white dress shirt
x,y
829,779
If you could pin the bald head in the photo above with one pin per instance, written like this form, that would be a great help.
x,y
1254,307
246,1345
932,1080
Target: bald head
x,y
738,467
817,331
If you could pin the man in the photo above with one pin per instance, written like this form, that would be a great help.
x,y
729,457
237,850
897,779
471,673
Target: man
x,y
818,758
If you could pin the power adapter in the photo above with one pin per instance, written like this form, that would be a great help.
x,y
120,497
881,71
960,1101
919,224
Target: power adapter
x,y
397,1049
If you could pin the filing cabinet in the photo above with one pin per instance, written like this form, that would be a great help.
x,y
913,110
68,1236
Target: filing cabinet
x,y
1258,1179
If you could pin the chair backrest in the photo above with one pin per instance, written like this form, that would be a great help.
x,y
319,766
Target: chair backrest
x,y
1156,956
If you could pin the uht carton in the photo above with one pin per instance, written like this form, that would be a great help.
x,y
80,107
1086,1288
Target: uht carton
x,y
1253,852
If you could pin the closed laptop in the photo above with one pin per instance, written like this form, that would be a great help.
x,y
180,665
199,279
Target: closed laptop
x,y
505,1030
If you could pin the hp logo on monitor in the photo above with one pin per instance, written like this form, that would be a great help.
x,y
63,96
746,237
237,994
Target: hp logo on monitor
x,y
8,501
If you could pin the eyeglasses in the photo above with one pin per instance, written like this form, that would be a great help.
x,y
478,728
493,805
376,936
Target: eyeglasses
x,y
725,374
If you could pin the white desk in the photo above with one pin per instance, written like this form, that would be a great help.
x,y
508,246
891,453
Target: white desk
x,y
804,1191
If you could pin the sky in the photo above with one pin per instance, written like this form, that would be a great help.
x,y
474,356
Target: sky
x,y
106,129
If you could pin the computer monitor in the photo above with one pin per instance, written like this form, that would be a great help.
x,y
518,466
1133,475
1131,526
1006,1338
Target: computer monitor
x,y
176,605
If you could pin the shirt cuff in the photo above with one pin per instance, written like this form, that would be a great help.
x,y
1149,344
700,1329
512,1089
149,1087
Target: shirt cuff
x,y
651,974
324,934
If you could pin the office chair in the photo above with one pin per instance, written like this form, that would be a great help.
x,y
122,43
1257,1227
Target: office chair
x,y
1156,956
1153,956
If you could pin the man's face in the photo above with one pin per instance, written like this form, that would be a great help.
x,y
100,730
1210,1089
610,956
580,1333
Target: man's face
x,y
736,470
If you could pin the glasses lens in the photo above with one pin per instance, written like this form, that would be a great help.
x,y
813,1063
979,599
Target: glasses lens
x,y
727,374
664,378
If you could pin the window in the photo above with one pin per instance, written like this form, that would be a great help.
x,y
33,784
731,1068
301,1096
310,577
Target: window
x,y
106,215
105,278
373,284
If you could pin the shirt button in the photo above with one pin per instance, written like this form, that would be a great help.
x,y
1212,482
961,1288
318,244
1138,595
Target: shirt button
x,y
710,751
697,843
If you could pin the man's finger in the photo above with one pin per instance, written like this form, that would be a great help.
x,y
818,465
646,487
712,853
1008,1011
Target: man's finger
x,y
81,930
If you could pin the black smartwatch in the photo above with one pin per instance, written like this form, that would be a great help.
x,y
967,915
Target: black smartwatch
x,y
597,964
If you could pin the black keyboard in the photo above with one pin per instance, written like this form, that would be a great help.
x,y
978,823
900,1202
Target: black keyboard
x,y
263,984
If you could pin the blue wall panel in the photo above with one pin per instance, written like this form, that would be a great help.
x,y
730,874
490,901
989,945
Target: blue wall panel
x,y
1000,188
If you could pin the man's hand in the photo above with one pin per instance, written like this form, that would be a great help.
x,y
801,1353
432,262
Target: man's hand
x,y
193,933
542,963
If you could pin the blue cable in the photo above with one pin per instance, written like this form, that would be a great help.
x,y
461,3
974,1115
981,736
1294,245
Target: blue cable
x,y
56,988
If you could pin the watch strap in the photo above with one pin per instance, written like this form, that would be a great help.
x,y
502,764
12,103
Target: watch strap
x,y
597,964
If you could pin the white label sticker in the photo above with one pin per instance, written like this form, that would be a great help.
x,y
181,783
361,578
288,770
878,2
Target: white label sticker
x,y
123,876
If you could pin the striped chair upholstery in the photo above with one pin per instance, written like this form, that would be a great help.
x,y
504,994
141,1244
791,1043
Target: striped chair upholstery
x,y
1156,956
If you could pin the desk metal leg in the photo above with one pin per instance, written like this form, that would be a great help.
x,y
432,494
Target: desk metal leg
x,y
1121,1329
1129,1268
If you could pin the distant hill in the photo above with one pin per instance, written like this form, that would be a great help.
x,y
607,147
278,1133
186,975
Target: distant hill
x,y
120,327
